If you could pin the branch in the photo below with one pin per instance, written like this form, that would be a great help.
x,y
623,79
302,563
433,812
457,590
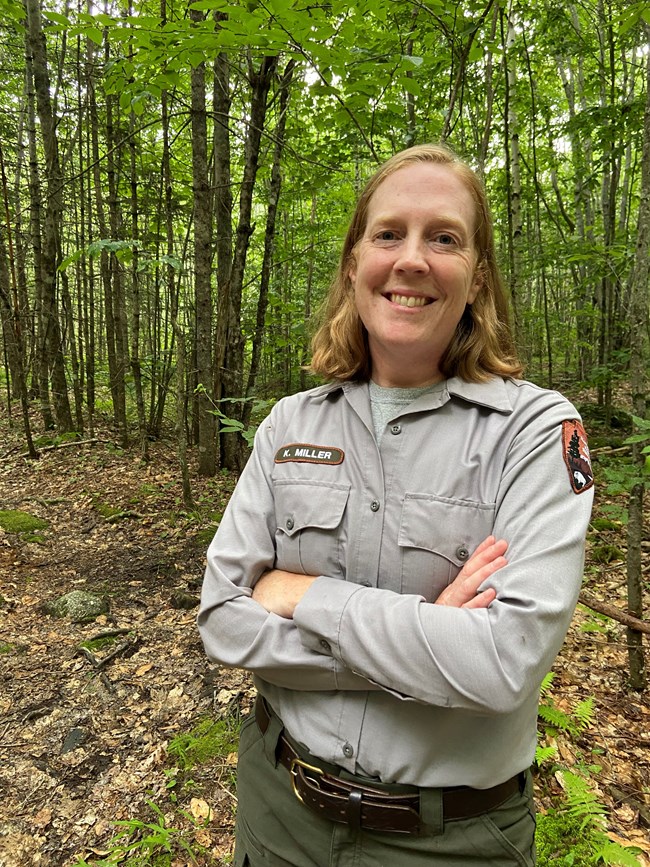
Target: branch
x,y
614,612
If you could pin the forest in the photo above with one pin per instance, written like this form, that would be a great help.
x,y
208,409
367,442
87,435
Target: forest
x,y
176,182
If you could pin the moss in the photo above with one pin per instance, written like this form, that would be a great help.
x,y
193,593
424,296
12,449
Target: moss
x,y
601,524
98,643
14,521
606,554
107,511
211,738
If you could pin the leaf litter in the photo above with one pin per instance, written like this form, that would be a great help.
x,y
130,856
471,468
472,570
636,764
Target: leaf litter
x,y
85,745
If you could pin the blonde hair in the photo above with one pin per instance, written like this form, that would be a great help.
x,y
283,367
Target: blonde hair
x,y
482,345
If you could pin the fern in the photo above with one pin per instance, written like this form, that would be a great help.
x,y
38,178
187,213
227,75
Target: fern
x,y
582,802
553,716
584,713
613,853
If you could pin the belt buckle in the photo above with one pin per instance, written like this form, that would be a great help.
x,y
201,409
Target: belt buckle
x,y
298,763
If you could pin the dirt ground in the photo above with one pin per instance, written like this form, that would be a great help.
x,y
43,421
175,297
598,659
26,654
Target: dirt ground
x,y
84,738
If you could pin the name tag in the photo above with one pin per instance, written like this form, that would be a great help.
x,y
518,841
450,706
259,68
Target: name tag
x,y
307,453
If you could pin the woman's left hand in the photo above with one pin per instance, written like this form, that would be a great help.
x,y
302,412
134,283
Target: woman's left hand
x,y
485,561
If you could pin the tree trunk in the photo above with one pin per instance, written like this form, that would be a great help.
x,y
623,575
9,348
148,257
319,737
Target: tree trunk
x,y
51,245
136,368
115,303
638,349
515,234
260,81
10,313
202,220
269,239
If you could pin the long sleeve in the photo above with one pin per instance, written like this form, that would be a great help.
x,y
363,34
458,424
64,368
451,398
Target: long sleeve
x,y
236,631
487,660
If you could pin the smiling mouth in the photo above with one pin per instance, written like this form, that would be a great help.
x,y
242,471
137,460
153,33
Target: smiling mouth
x,y
409,300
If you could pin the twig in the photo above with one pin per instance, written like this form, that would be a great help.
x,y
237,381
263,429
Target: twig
x,y
117,651
108,633
65,445
608,450
621,796
614,612
103,662
129,513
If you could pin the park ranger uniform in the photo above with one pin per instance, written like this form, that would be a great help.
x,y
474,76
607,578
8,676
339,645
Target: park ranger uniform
x,y
369,682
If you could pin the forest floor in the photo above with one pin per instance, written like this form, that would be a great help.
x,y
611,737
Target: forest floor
x,y
86,737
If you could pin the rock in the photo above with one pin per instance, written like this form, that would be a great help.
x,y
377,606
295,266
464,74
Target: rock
x,y
180,599
75,738
79,605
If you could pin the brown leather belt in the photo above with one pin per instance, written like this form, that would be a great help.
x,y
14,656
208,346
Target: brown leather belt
x,y
362,806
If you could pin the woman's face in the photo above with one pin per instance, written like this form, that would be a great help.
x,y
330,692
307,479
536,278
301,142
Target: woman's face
x,y
414,271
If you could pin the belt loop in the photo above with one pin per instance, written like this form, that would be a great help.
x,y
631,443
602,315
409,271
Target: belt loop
x,y
353,810
271,736
431,811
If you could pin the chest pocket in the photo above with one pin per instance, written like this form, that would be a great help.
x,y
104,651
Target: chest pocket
x,y
437,536
310,535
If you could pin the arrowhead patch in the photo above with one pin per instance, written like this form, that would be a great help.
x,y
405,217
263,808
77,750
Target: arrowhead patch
x,y
575,451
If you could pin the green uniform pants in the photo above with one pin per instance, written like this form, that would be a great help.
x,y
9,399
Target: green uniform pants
x,y
275,830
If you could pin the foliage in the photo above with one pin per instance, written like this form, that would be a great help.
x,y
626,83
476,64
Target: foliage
x,y
145,844
209,739
573,833
554,719
563,839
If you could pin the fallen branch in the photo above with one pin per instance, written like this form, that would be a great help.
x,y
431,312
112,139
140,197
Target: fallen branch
x,y
610,450
65,445
613,612
622,797
122,647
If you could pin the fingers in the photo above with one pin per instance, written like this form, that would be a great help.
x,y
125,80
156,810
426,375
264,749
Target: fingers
x,y
481,600
485,561
487,552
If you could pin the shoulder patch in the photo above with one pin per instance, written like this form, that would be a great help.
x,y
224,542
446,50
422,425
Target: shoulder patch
x,y
575,451
307,453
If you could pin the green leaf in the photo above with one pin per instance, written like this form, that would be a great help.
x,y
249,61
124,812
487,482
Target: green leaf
x,y
56,18
95,35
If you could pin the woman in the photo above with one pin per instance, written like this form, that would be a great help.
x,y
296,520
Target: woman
x,y
398,675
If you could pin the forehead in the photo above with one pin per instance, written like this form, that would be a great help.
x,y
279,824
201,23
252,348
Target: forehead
x,y
427,190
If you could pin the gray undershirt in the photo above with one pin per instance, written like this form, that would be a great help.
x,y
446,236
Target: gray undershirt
x,y
386,403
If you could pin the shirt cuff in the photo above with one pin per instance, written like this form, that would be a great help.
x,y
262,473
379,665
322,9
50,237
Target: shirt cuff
x,y
318,614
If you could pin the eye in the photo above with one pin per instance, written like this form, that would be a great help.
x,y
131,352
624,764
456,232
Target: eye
x,y
445,239
386,235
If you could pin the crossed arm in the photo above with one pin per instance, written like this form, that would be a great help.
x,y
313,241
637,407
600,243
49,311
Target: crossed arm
x,y
279,591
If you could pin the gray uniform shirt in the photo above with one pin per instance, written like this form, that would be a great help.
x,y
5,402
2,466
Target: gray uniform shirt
x,y
369,674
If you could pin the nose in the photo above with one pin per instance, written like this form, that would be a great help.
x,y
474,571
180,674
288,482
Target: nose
x,y
412,256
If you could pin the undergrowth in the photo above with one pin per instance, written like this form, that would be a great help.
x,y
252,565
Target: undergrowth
x,y
572,834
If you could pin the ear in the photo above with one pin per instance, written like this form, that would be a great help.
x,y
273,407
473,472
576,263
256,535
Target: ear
x,y
352,270
477,282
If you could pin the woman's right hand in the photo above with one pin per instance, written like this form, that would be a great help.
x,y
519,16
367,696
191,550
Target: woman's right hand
x,y
485,561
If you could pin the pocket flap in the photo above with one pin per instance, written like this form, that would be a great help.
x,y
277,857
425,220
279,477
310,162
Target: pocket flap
x,y
451,528
309,504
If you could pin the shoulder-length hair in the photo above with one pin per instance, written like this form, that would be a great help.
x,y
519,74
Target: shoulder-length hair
x,y
482,345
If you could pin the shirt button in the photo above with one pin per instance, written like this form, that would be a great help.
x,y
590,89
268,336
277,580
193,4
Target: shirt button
x,y
375,505
348,751
462,553
325,645
366,584
396,429
289,524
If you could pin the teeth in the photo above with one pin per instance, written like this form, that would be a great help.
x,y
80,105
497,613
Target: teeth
x,y
408,300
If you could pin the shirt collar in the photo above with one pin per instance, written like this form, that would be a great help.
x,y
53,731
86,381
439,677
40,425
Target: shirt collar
x,y
491,394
